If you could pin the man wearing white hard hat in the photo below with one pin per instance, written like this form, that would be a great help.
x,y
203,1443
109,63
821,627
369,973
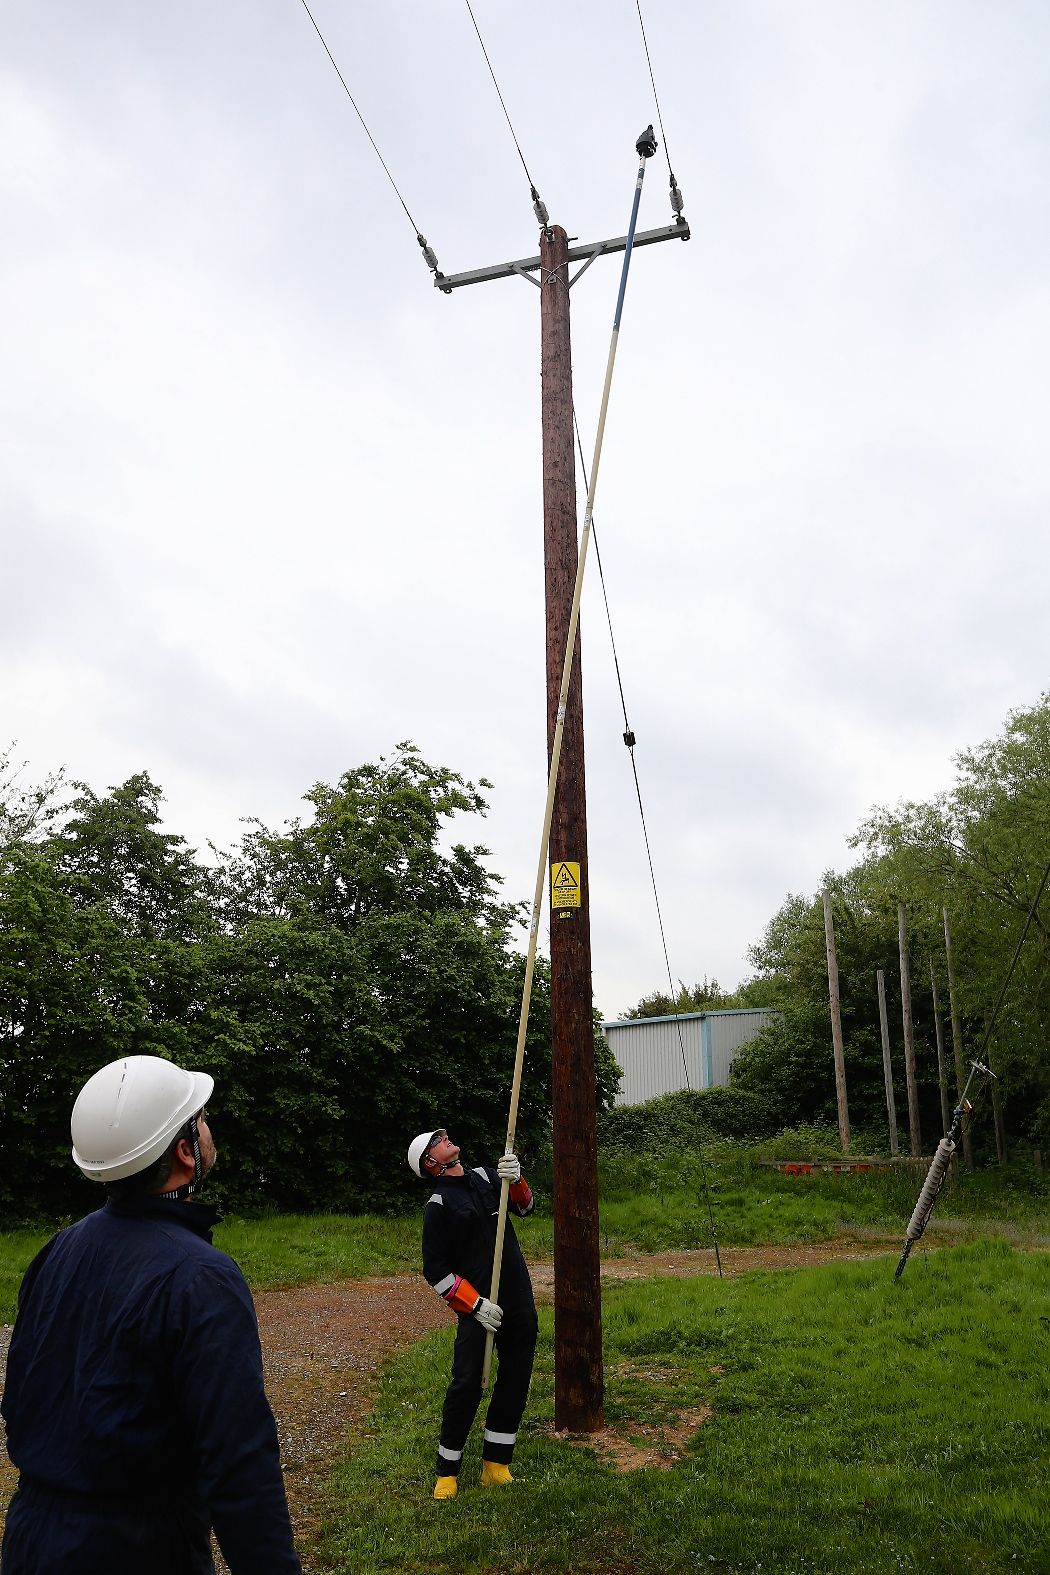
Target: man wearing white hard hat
x,y
459,1238
134,1404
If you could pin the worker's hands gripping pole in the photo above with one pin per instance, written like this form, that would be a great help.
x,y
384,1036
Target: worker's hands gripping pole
x,y
646,147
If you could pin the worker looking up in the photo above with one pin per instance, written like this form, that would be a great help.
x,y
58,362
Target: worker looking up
x,y
134,1405
459,1239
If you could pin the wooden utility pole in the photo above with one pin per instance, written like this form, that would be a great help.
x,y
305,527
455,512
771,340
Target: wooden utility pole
x,y
578,1377
942,1071
914,1134
836,1024
887,1068
953,1007
579,1385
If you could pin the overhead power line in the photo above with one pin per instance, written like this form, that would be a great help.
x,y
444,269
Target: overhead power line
x,y
677,201
539,207
426,249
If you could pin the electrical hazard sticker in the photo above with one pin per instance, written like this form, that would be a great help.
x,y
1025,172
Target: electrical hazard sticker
x,y
565,885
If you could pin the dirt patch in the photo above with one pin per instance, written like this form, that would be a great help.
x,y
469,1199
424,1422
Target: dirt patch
x,y
323,1346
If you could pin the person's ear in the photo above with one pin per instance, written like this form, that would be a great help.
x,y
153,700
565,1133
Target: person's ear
x,y
183,1153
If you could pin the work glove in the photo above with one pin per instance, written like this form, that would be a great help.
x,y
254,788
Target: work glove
x,y
509,1168
488,1314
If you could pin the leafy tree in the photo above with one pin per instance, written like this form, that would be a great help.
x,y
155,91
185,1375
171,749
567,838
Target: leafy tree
x,y
346,980
26,812
700,997
979,850
111,851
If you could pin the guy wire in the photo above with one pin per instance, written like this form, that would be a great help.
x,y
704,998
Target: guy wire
x,y
628,739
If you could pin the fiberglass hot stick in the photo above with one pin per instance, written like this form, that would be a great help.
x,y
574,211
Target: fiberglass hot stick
x,y
646,147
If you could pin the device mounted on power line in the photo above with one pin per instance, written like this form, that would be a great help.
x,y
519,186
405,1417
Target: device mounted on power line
x,y
645,146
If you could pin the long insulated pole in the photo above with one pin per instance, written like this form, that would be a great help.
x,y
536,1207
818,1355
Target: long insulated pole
x,y
646,147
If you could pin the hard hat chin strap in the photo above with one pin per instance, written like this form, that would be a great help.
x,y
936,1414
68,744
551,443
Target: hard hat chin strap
x,y
188,1188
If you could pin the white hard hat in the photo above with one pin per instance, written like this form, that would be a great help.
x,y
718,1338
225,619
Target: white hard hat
x,y
418,1147
126,1115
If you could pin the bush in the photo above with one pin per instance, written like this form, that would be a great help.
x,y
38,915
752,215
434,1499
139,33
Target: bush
x,y
675,1122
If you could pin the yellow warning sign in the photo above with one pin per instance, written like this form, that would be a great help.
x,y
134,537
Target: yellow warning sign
x,y
565,885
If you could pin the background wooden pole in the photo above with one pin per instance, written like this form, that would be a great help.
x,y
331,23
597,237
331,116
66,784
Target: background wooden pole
x,y
942,1071
887,1066
957,1044
578,1372
836,1024
914,1132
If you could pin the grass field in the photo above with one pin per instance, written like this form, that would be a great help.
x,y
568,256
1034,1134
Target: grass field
x,y
808,1422
647,1205
857,1427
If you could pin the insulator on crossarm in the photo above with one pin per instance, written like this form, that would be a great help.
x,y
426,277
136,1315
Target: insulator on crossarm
x,y
677,200
428,253
539,208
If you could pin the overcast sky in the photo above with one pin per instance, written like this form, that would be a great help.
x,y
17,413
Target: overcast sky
x,y
270,503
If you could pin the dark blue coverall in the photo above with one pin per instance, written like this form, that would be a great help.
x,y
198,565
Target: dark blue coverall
x,y
459,1239
134,1405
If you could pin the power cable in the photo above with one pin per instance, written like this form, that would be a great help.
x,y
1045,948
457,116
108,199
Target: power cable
x,y
539,207
425,248
630,740
677,200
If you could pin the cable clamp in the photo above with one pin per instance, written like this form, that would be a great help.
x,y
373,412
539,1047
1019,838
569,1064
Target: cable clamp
x,y
629,738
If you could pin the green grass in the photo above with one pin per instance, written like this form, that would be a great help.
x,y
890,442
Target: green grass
x,y
17,1249
648,1204
659,1204
858,1427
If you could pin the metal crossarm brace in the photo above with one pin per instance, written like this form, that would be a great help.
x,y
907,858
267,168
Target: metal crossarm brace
x,y
585,254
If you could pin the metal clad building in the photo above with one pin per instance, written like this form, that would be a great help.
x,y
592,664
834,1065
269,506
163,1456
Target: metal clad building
x,y
648,1050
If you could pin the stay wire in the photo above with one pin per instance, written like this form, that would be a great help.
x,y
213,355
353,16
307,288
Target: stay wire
x,y
537,203
629,740
1013,964
420,237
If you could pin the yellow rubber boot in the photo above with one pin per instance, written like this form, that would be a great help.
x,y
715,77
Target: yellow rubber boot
x,y
494,1475
446,1487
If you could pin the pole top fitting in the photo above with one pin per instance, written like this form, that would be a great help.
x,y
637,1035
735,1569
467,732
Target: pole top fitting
x,y
646,144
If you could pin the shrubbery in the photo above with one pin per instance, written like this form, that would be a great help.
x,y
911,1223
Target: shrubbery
x,y
674,1122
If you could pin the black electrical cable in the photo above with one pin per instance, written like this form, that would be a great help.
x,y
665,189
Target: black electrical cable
x,y
656,96
629,740
541,211
420,237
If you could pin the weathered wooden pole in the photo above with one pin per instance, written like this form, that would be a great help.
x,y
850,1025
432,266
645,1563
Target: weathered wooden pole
x,y
942,1071
836,1024
957,1045
914,1133
578,1373
887,1067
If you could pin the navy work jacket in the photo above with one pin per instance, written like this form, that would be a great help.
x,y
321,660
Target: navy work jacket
x,y
134,1405
459,1237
